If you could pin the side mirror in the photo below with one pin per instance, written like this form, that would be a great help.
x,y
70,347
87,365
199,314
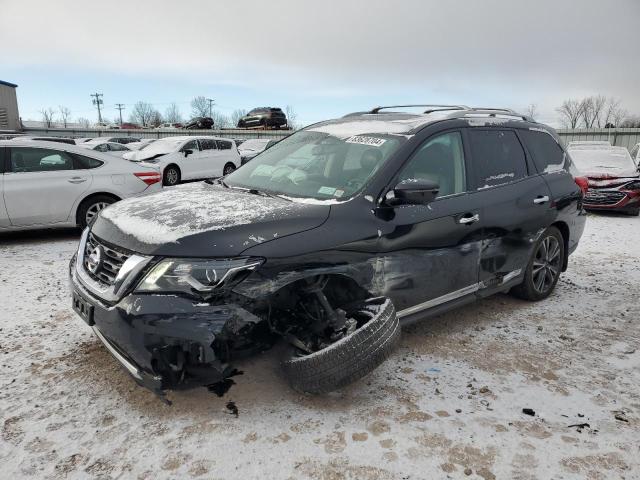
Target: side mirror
x,y
414,192
187,152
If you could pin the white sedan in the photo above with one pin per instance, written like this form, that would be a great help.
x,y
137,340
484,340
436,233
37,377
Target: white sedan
x,y
111,148
190,157
46,184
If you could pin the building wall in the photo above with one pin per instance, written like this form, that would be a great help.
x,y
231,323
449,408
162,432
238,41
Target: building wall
x,y
9,116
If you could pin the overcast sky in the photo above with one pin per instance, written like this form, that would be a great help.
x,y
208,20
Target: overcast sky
x,y
324,57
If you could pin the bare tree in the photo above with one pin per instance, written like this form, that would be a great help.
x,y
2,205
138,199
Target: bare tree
x,y
142,113
570,112
292,117
220,120
200,107
65,113
592,110
84,122
632,121
47,116
172,114
236,116
156,118
613,113
532,111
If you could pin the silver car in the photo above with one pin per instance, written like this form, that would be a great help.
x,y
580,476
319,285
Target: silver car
x,y
46,184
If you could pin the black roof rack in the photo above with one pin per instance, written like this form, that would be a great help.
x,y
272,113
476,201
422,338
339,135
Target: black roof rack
x,y
431,108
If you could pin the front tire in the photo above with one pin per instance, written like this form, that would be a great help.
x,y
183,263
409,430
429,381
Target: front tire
x,y
347,360
171,176
544,267
91,207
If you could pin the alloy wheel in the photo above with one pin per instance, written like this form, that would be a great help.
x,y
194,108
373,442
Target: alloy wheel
x,y
93,211
172,176
546,264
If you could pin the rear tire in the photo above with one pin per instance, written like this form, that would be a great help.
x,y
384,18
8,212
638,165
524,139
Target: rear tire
x,y
348,359
171,176
90,208
228,168
544,267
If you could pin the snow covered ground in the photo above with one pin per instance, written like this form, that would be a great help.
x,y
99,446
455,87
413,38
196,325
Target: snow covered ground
x,y
448,404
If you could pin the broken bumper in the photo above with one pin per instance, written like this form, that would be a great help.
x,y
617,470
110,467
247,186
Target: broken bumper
x,y
163,341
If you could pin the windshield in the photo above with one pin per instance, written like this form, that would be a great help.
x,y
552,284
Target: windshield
x,y
317,165
612,160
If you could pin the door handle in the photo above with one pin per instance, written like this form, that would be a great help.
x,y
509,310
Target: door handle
x,y
469,220
76,180
541,199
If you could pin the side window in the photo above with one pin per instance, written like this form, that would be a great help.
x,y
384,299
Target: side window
x,y
82,162
498,157
116,147
207,144
103,147
547,154
223,145
39,160
440,159
190,145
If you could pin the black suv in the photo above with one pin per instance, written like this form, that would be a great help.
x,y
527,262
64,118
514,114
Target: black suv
x,y
329,240
201,123
264,117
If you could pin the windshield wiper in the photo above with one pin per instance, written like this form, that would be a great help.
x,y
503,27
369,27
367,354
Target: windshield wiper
x,y
262,193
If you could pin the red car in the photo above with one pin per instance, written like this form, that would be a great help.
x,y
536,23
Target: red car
x,y
614,179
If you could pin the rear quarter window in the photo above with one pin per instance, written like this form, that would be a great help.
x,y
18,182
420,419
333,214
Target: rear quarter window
x,y
82,162
498,157
547,155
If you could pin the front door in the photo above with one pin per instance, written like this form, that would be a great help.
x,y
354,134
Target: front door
x,y
190,166
514,200
41,186
429,254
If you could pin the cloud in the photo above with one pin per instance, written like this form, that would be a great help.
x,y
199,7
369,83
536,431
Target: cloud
x,y
510,52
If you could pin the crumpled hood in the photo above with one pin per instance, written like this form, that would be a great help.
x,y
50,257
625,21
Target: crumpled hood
x,y
610,179
203,220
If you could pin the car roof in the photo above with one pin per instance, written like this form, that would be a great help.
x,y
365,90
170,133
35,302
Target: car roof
x,y
404,123
67,147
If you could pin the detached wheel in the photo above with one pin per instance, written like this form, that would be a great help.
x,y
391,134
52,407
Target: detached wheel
x,y
91,207
228,168
171,176
350,358
544,267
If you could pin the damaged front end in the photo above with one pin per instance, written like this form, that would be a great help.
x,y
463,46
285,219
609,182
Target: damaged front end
x,y
177,324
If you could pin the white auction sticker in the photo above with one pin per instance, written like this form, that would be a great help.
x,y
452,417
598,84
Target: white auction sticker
x,y
362,140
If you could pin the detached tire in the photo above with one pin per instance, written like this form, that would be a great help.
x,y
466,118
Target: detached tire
x,y
348,359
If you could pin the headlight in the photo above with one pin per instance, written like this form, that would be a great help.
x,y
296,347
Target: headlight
x,y
196,276
635,185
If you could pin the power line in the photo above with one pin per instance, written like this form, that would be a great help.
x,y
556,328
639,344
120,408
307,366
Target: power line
x,y
97,101
120,107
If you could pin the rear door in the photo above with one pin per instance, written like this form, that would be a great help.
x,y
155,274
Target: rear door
x,y
429,254
212,161
41,186
514,201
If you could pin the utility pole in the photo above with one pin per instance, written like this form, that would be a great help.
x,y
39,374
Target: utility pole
x,y
97,101
120,107
210,100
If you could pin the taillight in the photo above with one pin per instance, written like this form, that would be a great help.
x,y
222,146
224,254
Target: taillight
x,y
583,183
149,177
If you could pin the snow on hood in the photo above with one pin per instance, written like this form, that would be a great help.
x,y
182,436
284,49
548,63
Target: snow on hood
x,y
159,147
171,215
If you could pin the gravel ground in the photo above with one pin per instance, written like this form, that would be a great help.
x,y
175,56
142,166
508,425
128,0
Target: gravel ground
x,y
448,404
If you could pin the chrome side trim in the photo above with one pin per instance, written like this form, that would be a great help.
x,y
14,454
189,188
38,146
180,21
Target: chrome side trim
x,y
434,302
439,300
131,368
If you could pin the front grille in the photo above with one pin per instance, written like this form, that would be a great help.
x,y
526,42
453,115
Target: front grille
x,y
112,260
598,197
